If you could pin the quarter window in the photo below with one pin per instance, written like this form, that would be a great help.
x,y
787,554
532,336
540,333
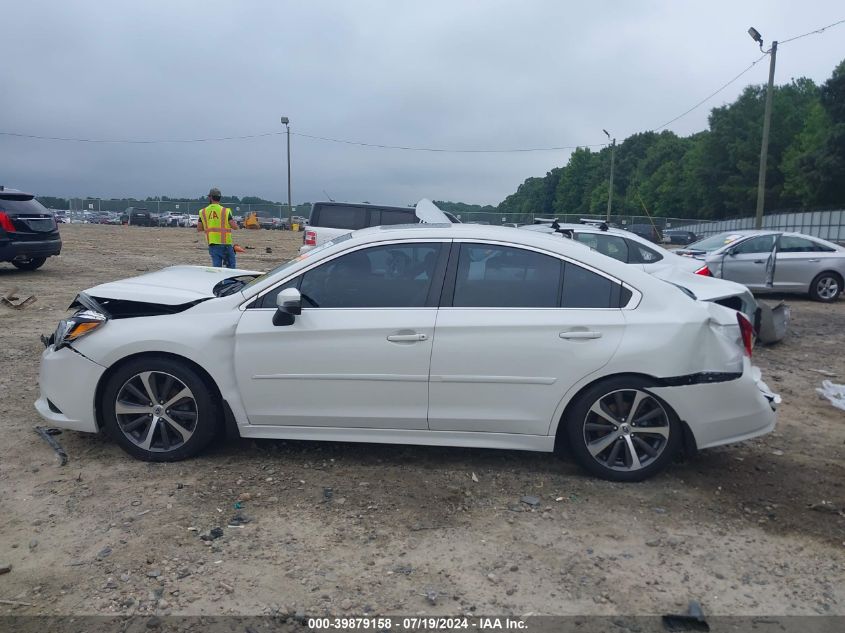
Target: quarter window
x,y
389,276
645,254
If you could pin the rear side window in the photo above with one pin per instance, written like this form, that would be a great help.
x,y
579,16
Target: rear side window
x,y
609,245
491,276
393,216
503,277
23,207
795,244
340,217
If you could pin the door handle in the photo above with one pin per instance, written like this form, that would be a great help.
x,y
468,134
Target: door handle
x,y
759,261
406,338
814,261
580,334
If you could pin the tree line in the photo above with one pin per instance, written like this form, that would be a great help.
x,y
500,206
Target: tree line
x,y
711,174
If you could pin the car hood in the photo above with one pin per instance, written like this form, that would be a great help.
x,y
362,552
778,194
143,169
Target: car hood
x,y
171,286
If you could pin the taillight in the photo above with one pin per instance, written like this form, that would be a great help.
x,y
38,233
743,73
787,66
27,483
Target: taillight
x,y
6,223
310,238
746,330
704,271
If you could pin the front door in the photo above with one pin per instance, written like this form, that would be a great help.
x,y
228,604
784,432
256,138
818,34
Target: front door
x,y
746,263
358,355
505,351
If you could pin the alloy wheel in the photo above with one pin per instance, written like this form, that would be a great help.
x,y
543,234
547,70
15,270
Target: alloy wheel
x,y
626,430
827,288
156,411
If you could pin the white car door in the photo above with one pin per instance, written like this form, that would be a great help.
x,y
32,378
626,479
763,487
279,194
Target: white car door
x,y
504,352
359,354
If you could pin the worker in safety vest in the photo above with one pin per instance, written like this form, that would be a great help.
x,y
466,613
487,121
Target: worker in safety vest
x,y
217,223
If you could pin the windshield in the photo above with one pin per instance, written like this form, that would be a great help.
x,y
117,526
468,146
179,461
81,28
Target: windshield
x,y
296,260
714,242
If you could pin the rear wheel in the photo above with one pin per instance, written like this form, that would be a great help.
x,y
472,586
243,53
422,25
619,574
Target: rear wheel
x,y
826,287
618,430
160,410
29,264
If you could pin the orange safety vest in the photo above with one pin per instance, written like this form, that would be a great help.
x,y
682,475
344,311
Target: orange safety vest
x,y
215,223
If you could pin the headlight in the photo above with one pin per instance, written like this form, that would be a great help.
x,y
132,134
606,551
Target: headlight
x,y
80,324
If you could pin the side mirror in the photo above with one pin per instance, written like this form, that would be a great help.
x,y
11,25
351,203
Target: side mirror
x,y
288,305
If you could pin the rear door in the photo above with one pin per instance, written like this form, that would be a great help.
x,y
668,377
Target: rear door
x,y
799,260
516,329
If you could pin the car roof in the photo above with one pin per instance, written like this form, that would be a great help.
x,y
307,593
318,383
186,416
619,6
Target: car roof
x,y
9,193
367,205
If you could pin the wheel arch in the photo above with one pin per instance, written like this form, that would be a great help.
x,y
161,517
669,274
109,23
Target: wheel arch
x,y
689,444
114,367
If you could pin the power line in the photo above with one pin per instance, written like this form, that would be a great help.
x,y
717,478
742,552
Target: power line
x,y
712,94
447,150
815,32
753,64
310,136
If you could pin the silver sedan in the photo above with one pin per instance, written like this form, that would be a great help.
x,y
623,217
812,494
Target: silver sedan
x,y
775,261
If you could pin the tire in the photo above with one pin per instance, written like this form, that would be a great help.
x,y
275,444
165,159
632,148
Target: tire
x,y
602,443
826,287
181,430
29,264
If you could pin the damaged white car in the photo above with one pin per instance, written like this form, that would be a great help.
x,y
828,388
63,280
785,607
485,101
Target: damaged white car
x,y
432,334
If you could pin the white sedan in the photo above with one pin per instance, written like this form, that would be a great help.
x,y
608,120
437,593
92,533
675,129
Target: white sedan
x,y
432,334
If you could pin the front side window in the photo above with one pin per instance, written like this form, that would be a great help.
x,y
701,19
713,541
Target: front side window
x,y
759,244
389,276
491,276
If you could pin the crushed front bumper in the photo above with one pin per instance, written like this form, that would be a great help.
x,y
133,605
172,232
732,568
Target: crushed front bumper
x,y
68,384
725,412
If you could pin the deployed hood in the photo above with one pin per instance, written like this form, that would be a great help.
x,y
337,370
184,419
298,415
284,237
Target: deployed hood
x,y
429,213
176,285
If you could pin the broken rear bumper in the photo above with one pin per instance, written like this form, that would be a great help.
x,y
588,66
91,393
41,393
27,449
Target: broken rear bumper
x,y
68,384
725,412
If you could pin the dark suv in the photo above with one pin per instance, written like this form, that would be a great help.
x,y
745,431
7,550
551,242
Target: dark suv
x,y
138,216
28,231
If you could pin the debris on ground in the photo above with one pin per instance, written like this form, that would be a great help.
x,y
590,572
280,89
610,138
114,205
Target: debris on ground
x,y
431,596
47,435
213,534
530,500
692,620
834,393
11,299
5,568
825,506
774,322
328,493
17,603
475,477
268,250
824,372
239,520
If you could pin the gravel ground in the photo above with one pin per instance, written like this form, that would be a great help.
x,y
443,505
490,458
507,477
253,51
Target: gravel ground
x,y
756,528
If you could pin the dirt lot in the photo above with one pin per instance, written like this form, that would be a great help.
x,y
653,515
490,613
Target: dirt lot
x,y
756,528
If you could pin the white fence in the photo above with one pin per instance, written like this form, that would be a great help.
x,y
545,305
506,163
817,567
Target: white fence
x,y
828,225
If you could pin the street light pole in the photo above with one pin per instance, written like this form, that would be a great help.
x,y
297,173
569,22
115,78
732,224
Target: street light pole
x,y
610,189
767,120
286,123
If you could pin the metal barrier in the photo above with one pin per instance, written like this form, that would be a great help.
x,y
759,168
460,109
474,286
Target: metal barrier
x,y
828,225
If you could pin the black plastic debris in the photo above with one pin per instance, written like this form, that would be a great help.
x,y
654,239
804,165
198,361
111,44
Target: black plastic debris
x,y
692,620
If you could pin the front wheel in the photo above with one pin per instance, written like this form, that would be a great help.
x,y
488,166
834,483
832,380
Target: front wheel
x,y
160,409
826,287
29,264
618,430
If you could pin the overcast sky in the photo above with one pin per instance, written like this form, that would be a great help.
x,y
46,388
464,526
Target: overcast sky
x,y
448,74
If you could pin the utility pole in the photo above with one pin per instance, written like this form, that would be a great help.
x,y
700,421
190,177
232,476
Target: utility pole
x,y
767,120
610,189
286,123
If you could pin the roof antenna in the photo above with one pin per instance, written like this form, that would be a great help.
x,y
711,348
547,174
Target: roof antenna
x,y
328,196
